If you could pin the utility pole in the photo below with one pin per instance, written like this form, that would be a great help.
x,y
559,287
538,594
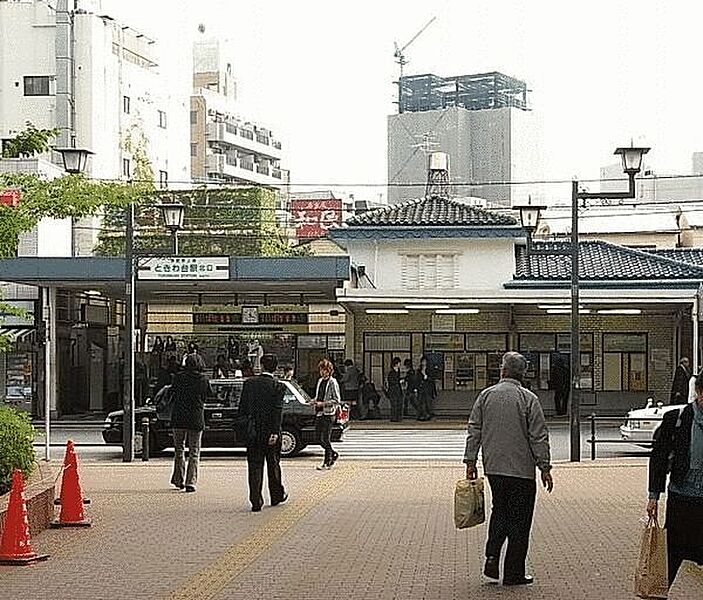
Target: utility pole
x,y
129,349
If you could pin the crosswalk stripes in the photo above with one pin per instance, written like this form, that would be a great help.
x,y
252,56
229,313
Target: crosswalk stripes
x,y
435,444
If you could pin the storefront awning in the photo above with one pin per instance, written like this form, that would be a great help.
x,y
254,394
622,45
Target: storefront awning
x,y
257,280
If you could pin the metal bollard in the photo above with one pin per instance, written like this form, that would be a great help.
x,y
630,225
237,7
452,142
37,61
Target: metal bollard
x,y
145,438
593,436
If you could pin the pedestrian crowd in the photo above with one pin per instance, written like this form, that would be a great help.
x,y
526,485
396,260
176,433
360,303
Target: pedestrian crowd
x,y
506,424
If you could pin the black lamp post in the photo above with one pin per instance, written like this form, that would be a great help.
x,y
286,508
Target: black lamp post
x,y
529,216
74,159
173,214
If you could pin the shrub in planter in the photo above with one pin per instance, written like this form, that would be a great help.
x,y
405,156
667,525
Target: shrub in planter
x,y
16,445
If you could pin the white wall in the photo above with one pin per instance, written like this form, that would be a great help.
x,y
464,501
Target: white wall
x,y
26,48
383,262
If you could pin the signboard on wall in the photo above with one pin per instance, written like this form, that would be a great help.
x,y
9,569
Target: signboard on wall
x,y
184,267
312,218
10,197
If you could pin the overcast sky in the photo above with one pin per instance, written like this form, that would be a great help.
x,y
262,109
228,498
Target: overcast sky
x,y
320,73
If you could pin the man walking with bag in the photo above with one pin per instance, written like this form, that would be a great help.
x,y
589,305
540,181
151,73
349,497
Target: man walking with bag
x,y
507,422
261,411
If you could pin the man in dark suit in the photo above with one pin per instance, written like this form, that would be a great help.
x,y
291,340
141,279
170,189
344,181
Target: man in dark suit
x,y
679,387
261,408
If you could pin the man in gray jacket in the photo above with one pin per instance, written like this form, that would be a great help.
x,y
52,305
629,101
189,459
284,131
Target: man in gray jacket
x,y
507,422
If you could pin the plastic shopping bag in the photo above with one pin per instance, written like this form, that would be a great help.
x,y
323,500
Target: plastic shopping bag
x,y
651,579
469,503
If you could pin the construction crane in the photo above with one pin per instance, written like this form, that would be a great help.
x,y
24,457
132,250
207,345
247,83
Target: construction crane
x,y
402,61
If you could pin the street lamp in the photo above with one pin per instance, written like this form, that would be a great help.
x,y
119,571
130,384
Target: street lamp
x,y
632,164
173,214
74,162
74,159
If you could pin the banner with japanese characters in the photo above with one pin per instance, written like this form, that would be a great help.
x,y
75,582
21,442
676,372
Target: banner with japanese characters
x,y
184,267
312,218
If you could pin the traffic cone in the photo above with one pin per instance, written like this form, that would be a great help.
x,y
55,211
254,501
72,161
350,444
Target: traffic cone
x,y
15,543
71,514
70,449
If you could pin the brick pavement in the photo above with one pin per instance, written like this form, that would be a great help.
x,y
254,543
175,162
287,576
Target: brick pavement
x,y
362,530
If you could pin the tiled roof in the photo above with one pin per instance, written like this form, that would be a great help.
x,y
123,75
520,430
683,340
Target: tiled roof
x,y
431,212
602,261
691,256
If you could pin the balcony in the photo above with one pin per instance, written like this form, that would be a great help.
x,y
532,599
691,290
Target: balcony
x,y
242,169
231,135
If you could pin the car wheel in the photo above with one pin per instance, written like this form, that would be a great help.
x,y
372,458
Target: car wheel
x,y
290,443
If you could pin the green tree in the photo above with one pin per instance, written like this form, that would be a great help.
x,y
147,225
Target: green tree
x,y
29,142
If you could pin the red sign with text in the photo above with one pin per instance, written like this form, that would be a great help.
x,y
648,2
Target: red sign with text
x,y
312,218
10,197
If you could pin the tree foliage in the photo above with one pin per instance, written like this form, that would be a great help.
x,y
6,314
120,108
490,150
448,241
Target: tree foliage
x,y
29,142
231,222
69,196
16,445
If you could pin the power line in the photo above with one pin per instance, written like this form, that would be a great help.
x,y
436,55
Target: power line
x,y
223,186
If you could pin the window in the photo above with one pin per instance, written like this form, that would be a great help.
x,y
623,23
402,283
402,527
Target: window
x,y
429,271
549,360
163,179
625,362
193,117
162,119
194,149
36,85
125,104
126,168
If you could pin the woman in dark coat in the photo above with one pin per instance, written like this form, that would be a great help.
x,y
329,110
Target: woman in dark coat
x,y
395,391
678,451
427,391
190,389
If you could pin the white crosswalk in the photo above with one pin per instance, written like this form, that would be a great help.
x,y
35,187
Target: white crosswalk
x,y
429,444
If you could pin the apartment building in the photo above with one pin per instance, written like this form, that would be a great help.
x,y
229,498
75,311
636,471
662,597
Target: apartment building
x,y
227,147
69,65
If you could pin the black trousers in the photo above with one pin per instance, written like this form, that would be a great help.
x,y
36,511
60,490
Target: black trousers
x,y
511,519
561,399
323,428
396,400
256,456
684,531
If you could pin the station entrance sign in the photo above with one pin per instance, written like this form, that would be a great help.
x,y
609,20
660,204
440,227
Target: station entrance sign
x,y
184,267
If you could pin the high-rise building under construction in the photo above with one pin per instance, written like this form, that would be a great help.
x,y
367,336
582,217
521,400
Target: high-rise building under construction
x,y
483,122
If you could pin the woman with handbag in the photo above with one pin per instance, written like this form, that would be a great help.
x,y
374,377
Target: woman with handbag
x,y
327,399
678,451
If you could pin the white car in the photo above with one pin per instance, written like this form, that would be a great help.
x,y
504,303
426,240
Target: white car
x,y
640,423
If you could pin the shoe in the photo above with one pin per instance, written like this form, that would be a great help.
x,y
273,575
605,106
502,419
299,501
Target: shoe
x,y
190,488
255,509
323,467
526,580
335,456
281,501
490,569
178,486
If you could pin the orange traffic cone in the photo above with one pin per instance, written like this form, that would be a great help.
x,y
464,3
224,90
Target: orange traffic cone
x,y
71,495
15,544
70,450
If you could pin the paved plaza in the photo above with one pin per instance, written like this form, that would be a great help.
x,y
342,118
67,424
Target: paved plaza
x,y
363,530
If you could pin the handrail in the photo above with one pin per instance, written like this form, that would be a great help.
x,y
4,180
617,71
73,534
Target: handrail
x,y
593,440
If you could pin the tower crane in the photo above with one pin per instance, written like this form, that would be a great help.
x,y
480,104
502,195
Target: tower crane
x,y
402,61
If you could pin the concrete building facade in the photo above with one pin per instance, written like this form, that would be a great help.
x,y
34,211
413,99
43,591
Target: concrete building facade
x,y
98,82
225,146
489,144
